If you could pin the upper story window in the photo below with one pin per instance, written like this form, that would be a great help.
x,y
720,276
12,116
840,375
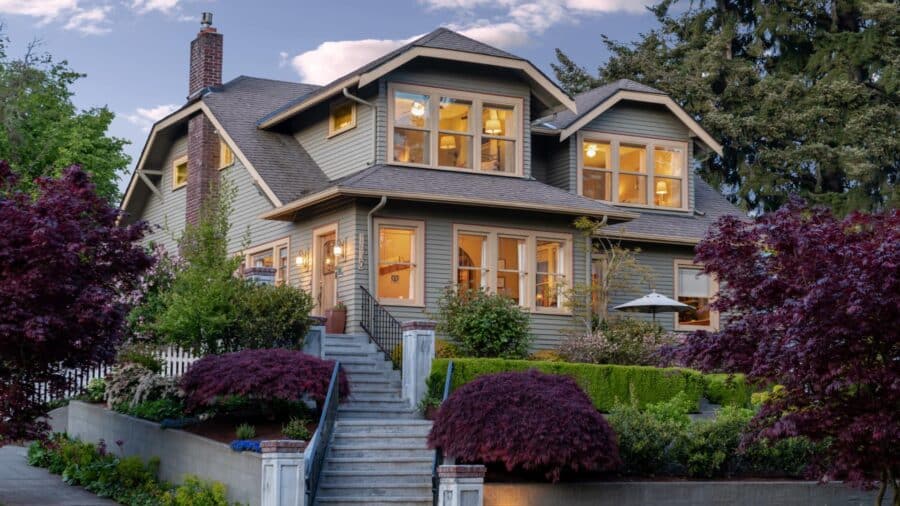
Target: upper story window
x,y
179,172
635,171
341,117
226,155
432,127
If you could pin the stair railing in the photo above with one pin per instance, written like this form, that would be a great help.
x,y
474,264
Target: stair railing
x,y
438,453
381,326
319,442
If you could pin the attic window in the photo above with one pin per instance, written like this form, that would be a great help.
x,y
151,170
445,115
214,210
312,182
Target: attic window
x,y
226,155
179,172
342,117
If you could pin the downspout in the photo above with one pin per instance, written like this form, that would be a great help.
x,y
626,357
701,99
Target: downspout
x,y
346,93
371,223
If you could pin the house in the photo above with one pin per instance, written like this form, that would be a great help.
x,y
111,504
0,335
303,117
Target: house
x,y
446,161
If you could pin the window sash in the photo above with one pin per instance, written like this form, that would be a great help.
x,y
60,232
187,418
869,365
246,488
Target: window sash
x,y
409,263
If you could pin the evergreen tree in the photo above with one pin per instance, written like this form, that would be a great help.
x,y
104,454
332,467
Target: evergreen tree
x,y
802,94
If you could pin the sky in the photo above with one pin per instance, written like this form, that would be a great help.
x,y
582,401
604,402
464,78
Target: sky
x,y
135,52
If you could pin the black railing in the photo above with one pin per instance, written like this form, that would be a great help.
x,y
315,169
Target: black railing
x,y
438,453
320,439
381,327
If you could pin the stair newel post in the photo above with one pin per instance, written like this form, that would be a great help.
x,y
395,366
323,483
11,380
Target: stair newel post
x,y
315,337
283,482
461,485
418,353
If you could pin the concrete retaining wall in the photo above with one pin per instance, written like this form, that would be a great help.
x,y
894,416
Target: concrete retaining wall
x,y
681,493
179,452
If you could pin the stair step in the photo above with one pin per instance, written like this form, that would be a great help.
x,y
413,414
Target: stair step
x,y
375,422
379,501
391,396
383,440
385,432
375,387
354,479
390,405
362,375
382,473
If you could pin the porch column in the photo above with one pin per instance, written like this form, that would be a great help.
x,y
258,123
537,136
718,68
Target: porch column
x,y
315,337
418,352
283,474
461,485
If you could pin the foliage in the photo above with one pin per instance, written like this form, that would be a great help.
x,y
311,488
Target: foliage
x,y
530,420
813,305
122,382
142,353
707,449
625,341
196,492
728,390
445,349
273,316
148,300
605,385
546,356
42,131
95,391
296,429
802,96
242,445
64,262
157,410
644,440
155,387
484,325
245,431
266,375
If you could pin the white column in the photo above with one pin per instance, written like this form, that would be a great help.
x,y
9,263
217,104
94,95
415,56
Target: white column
x,y
283,474
461,485
418,352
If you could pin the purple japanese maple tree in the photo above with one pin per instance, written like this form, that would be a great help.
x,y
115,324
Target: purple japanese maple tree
x,y
64,264
812,303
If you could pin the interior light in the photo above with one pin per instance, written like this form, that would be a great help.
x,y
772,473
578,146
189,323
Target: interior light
x,y
417,109
448,142
661,188
493,126
591,150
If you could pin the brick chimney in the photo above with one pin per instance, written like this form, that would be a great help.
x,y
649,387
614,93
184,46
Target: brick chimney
x,y
203,141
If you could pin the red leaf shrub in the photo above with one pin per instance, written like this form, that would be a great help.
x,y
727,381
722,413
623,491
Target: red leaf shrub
x,y
530,420
267,375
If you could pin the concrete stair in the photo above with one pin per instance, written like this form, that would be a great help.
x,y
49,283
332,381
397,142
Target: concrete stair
x,y
378,454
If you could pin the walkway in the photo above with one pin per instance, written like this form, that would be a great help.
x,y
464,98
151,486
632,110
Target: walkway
x,y
23,485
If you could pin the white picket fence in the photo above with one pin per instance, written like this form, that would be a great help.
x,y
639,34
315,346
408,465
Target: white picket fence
x,y
175,362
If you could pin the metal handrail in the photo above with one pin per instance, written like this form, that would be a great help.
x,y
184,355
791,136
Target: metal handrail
x,y
381,326
319,441
438,453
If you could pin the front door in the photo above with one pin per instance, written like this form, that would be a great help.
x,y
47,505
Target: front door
x,y
325,272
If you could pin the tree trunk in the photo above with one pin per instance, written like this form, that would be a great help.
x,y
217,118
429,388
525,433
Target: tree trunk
x,y
881,488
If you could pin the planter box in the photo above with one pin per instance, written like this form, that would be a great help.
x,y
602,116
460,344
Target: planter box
x,y
675,493
179,452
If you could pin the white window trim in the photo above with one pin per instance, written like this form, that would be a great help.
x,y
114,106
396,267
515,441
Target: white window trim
x,y
714,290
272,246
419,260
334,105
477,99
614,140
175,163
531,237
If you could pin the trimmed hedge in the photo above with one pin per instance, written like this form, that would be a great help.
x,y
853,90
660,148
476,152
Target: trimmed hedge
x,y
728,392
604,384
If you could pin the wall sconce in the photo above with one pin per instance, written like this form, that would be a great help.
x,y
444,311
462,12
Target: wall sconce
x,y
304,259
339,250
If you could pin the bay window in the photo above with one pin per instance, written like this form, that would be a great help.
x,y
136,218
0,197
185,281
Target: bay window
x,y
447,129
696,289
274,254
400,276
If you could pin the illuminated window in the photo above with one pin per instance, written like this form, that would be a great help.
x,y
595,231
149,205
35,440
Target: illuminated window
x,y
597,171
179,172
226,155
668,174
400,276
550,274
274,254
696,289
342,117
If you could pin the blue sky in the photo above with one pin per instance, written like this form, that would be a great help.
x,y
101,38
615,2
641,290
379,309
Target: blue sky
x,y
135,52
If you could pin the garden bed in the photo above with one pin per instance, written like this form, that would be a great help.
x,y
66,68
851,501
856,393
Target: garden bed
x,y
222,428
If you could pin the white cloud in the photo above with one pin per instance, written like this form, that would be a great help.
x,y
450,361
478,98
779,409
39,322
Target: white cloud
x,y
335,58
44,9
630,6
89,21
503,35
145,117
86,20
144,6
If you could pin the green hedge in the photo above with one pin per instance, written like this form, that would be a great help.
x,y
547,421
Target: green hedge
x,y
605,384
728,392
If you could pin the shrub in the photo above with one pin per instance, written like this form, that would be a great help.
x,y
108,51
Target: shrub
x,y
296,429
445,349
624,341
273,316
95,391
122,383
141,353
242,445
147,299
709,448
604,384
644,440
546,356
531,421
157,410
484,325
196,492
245,431
728,390
789,457
155,387
263,375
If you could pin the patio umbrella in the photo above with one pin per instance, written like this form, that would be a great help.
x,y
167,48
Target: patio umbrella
x,y
653,303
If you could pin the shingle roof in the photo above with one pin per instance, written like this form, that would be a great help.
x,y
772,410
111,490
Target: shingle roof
x,y
283,163
590,99
690,227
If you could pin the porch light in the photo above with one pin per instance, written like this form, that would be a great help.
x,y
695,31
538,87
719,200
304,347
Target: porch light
x,y
591,151
661,188
448,142
303,260
339,250
417,109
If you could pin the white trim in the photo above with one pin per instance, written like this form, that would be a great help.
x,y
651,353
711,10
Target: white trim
x,y
651,98
315,277
272,246
334,105
678,264
418,259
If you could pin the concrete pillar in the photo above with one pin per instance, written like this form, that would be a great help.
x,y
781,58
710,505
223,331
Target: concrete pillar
x,y
315,337
461,485
283,474
418,352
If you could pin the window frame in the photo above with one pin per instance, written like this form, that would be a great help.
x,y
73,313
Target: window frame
x,y
679,264
183,159
223,146
475,127
419,263
650,144
331,108
489,271
274,247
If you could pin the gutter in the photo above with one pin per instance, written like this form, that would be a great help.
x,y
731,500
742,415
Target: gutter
x,y
346,93
371,233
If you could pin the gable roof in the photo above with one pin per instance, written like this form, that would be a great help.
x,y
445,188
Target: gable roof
x,y
440,43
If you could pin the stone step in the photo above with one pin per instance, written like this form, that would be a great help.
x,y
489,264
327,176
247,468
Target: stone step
x,y
408,463
374,397
375,387
354,354
365,413
384,440
374,490
380,477
382,431
375,422
373,375
338,453
350,500
376,405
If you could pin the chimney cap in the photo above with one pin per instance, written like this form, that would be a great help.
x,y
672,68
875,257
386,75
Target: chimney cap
x,y
206,19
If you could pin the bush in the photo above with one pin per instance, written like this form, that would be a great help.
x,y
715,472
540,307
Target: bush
x,y
196,492
728,390
273,316
546,356
157,410
709,448
122,383
296,429
245,431
530,421
155,387
262,375
625,341
141,353
606,385
445,349
95,391
644,440
484,325
242,445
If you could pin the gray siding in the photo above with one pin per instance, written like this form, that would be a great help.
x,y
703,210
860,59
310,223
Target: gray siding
x,y
166,215
640,119
247,230
561,166
342,154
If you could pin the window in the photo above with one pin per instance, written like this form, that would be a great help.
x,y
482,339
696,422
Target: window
x,y
226,155
455,130
531,268
696,289
342,117
401,249
179,172
629,170
274,254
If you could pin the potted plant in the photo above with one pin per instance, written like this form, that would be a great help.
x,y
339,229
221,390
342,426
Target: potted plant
x,y
336,319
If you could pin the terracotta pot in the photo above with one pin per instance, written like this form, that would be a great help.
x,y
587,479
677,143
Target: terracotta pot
x,y
335,321
431,412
